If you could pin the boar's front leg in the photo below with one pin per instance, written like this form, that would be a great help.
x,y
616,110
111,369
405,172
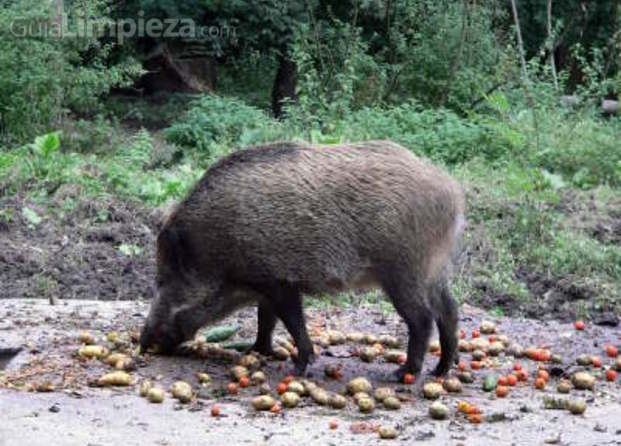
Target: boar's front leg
x,y
265,323
287,304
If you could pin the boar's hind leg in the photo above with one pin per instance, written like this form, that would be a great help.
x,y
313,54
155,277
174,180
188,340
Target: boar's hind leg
x,y
266,323
410,302
287,304
447,326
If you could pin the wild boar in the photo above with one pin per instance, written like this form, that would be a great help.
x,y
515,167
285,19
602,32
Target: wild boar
x,y
270,224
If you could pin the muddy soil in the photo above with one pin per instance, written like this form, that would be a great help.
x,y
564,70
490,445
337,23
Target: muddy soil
x,y
76,251
78,414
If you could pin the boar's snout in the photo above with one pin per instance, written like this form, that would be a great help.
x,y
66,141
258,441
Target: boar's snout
x,y
162,339
160,332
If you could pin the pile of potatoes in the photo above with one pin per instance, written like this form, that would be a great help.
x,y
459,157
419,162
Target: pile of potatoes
x,y
489,351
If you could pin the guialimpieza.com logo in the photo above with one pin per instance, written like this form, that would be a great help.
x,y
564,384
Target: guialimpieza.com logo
x,y
77,25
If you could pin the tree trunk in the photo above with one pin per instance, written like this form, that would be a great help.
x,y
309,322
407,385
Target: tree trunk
x,y
529,97
551,44
520,41
284,84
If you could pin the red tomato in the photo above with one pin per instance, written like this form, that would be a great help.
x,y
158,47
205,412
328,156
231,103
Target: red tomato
x,y
512,380
408,378
475,418
502,391
543,374
612,351
579,325
281,387
232,388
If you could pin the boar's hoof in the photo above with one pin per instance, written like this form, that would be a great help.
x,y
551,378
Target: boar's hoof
x,y
400,373
302,362
443,367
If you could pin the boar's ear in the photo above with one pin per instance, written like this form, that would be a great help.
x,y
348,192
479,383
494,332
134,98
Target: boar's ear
x,y
172,254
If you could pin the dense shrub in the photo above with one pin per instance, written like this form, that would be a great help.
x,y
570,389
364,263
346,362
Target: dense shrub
x,y
42,76
214,120
439,134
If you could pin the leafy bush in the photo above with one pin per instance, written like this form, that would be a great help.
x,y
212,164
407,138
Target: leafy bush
x,y
42,75
213,120
439,134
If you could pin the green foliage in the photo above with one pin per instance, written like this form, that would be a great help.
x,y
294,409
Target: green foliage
x,y
213,120
439,134
42,75
330,56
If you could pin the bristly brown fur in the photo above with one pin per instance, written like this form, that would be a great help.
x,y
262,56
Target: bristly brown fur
x,y
273,222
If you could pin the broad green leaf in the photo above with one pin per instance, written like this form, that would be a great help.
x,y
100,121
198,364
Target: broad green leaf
x,y
32,217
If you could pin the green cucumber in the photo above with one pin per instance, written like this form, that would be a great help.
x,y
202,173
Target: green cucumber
x,y
240,346
221,333
490,383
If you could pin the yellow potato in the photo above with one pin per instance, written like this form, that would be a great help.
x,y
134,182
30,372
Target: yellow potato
x,y
388,341
432,391
155,395
381,393
239,371
296,387
144,388
366,405
392,403
319,396
387,432
359,384
86,338
438,411
583,381
249,361
182,391
290,399
281,353
117,378
203,378
453,385
263,402
258,377
93,351
337,401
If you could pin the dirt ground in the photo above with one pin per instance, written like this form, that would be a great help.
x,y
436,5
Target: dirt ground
x,y
76,413
87,236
